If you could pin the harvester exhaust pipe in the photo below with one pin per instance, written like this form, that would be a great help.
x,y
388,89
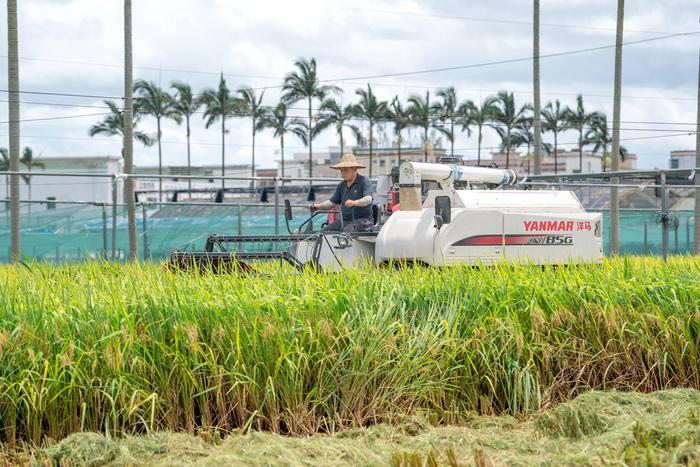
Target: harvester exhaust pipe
x,y
412,173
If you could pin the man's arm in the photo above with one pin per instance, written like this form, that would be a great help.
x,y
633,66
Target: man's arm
x,y
329,203
366,199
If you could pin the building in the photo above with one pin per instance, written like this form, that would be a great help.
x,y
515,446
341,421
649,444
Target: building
x,y
205,189
567,161
68,188
383,160
684,159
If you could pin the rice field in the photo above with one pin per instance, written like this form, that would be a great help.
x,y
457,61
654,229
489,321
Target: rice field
x,y
137,350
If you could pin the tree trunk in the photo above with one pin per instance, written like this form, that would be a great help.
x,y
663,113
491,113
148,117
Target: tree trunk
x,y
605,158
537,128
189,160
556,147
399,144
128,141
223,151
508,149
425,144
160,164
370,148
29,194
452,138
478,151
252,165
282,149
311,161
614,200
580,150
342,147
13,85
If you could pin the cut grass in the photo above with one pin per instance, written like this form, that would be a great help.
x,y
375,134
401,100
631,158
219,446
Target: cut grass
x,y
133,349
634,429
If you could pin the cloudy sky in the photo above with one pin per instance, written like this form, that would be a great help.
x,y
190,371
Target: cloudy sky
x,y
75,47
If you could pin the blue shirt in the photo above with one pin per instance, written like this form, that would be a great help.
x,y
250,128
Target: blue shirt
x,y
360,188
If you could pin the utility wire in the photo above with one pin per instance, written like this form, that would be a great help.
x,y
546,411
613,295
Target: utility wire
x,y
491,20
418,72
435,116
318,113
64,117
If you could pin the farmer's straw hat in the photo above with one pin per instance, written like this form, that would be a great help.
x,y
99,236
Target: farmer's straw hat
x,y
348,160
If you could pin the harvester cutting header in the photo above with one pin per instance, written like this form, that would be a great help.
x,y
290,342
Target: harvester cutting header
x,y
471,225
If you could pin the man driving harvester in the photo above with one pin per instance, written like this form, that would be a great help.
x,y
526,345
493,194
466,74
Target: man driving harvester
x,y
354,195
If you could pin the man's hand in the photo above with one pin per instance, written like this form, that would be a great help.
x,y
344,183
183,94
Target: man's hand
x,y
350,203
314,207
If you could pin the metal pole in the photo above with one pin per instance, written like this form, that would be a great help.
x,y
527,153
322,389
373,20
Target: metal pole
x,y
646,245
536,85
617,97
664,215
146,252
277,208
696,229
687,236
104,231
114,218
240,226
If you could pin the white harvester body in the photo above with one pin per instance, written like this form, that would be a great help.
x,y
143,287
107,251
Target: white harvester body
x,y
491,226
470,226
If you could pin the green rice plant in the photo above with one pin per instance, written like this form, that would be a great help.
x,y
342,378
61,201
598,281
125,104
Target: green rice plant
x,y
134,348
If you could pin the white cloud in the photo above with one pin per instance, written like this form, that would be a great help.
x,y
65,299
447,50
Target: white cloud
x,y
256,43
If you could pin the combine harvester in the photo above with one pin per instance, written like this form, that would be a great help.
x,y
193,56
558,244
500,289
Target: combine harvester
x,y
451,226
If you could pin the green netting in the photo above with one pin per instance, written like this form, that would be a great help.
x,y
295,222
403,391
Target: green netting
x,y
76,232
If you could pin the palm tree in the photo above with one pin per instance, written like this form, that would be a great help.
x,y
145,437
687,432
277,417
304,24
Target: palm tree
x,y
278,120
421,116
186,105
219,105
158,103
303,84
400,117
553,119
449,111
28,161
372,110
250,105
333,113
601,139
524,135
113,125
578,119
508,118
13,107
479,116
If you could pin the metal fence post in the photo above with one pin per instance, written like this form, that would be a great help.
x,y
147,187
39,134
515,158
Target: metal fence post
x,y
146,252
687,235
277,208
664,217
240,226
675,238
646,245
114,218
104,231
